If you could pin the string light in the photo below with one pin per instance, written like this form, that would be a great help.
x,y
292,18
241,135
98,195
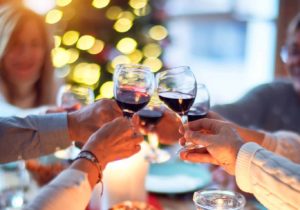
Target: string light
x,y
119,60
73,55
86,73
113,12
154,63
152,50
57,41
138,4
60,57
70,38
63,3
136,56
54,16
126,45
100,3
158,32
97,47
122,25
106,90
142,11
85,42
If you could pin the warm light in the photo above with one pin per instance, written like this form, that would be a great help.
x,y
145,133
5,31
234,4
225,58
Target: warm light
x,y
119,60
126,14
136,56
138,4
85,42
158,32
100,3
41,7
106,90
143,11
154,63
73,55
126,45
63,71
86,73
60,57
152,50
70,38
122,25
57,41
113,12
53,16
63,3
97,47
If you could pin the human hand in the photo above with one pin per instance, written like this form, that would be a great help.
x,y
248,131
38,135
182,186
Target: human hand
x,y
167,129
82,123
222,144
114,141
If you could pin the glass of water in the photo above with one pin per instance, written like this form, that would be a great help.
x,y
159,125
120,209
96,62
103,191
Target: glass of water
x,y
218,199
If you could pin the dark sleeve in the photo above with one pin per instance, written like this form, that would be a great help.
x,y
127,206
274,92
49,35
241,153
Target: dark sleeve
x,y
33,136
250,110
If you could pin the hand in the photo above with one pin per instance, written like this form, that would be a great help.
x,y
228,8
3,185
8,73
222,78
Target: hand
x,y
114,141
84,122
222,144
167,129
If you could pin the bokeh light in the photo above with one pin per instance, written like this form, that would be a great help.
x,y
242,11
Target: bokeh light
x,y
85,42
142,11
63,3
70,38
126,45
100,3
73,55
86,73
119,60
63,71
54,16
122,25
57,41
158,32
138,4
60,57
97,47
113,12
136,56
152,50
106,90
154,63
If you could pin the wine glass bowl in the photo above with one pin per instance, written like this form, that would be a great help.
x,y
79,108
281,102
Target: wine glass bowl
x,y
133,87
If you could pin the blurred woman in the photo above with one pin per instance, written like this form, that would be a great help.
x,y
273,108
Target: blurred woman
x,y
26,73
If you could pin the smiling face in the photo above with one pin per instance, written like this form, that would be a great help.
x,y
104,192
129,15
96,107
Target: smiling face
x,y
25,54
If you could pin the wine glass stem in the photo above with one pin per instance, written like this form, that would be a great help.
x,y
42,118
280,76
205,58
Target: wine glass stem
x,y
184,119
153,141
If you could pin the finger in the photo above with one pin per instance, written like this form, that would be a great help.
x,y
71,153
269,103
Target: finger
x,y
205,123
199,139
182,141
125,153
198,157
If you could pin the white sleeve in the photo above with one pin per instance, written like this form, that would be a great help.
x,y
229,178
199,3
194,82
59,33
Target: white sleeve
x,y
274,180
283,143
69,190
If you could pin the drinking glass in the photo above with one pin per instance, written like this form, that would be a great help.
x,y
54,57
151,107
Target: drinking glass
x,y
71,98
133,87
177,88
218,200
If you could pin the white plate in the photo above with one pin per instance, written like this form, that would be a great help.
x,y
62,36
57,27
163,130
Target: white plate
x,y
177,177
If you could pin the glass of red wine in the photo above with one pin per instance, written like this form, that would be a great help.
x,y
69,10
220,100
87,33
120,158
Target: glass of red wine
x,y
201,105
72,98
133,87
177,88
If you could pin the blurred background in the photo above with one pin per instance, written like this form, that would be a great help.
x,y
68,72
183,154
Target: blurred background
x,y
231,45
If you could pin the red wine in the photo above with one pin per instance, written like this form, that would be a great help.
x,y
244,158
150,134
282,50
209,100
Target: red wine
x,y
149,117
131,101
196,114
178,102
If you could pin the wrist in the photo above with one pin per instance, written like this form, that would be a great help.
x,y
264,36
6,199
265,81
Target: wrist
x,y
71,126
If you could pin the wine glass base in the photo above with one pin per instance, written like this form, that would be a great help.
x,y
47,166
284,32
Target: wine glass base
x,y
190,147
157,156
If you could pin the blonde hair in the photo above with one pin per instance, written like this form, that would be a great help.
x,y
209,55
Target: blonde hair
x,y
12,18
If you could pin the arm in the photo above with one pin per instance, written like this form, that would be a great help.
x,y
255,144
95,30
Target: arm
x,y
274,180
33,136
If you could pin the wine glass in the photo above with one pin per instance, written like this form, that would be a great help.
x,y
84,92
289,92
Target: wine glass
x,y
201,105
133,87
71,98
177,88
218,199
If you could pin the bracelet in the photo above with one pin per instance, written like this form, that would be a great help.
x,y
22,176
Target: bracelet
x,y
88,155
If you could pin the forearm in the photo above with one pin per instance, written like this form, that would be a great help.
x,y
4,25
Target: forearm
x,y
250,135
274,180
33,136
